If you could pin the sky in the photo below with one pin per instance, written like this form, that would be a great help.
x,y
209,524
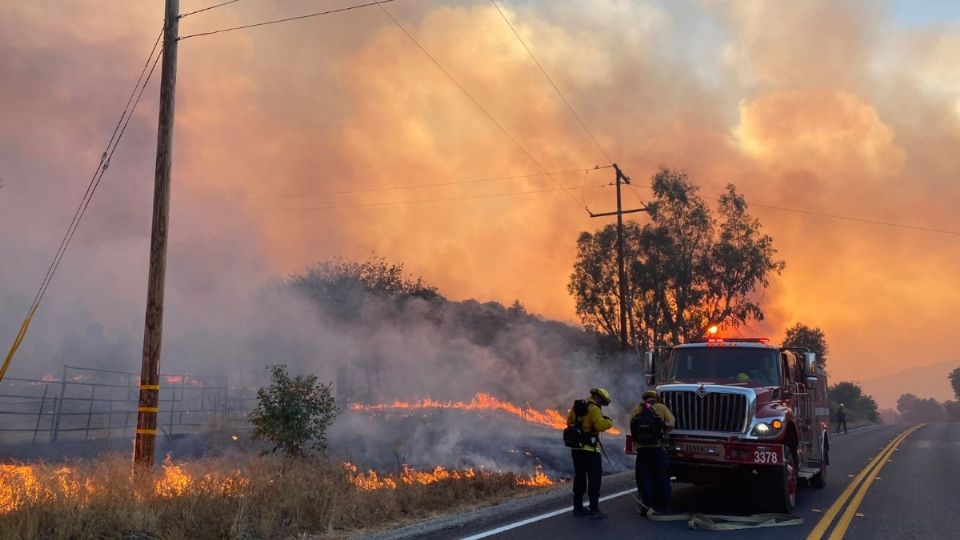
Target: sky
x,y
822,107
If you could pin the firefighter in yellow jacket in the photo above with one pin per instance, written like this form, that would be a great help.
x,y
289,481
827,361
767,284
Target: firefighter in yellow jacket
x,y
649,423
587,466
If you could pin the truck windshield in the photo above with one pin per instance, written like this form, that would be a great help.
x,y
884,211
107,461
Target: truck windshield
x,y
753,366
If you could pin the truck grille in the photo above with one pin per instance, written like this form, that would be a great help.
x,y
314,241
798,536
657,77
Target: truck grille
x,y
716,411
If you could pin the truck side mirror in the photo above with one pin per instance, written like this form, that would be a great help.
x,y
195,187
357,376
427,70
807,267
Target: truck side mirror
x,y
810,365
648,367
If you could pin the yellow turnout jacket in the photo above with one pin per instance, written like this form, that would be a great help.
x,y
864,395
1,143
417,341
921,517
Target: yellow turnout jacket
x,y
593,422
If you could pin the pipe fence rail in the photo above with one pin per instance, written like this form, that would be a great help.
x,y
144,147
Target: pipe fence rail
x,y
90,404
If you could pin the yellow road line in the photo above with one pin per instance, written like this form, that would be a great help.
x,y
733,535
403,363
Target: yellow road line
x,y
824,523
841,528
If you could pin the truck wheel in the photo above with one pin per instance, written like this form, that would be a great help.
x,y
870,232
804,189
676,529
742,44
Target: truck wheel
x,y
819,480
787,484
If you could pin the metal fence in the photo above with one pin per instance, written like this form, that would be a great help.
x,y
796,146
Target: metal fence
x,y
88,403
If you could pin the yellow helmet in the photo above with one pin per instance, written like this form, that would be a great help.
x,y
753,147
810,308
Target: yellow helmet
x,y
650,394
603,397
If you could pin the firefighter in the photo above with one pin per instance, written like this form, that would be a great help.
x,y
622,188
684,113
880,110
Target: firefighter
x,y
653,478
587,466
841,419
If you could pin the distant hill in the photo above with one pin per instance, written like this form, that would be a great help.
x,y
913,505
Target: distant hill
x,y
923,382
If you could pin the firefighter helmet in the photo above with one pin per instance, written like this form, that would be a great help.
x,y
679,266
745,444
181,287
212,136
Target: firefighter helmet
x,y
603,397
650,394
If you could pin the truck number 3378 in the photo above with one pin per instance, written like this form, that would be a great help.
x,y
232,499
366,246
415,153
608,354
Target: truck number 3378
x,y
765,457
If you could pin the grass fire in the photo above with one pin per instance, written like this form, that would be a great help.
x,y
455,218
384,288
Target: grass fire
x,y
481,402
236,497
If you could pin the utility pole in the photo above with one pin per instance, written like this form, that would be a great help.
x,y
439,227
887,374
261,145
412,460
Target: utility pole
x,y
621,271
143,453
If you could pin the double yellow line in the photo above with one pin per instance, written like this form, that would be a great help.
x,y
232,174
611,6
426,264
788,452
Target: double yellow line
x,y
857,490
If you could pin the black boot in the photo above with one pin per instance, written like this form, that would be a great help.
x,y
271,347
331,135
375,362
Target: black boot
x,y
578,509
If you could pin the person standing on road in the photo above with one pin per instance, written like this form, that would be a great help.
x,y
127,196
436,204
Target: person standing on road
x,y
649,423
587,466
841,419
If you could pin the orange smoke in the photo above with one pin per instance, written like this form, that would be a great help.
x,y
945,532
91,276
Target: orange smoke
x,y
483,402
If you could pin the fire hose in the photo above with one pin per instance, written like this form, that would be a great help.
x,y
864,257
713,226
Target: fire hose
x,y
711,522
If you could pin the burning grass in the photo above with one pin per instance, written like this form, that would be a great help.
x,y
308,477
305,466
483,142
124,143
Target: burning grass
x,y
481,402
240,497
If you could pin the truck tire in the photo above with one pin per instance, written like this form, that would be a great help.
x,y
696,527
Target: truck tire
x,y
786,486
819,480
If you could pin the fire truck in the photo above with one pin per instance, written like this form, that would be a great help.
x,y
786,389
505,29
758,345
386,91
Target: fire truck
x,y
747,411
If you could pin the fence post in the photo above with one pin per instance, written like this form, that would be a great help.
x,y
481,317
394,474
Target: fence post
x,y
53,420
109,419
59,411
93,391
173,404
43,401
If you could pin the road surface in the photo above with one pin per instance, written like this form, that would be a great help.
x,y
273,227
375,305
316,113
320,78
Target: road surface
x,y
889,481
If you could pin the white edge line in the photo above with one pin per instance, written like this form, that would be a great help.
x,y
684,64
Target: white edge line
x,y
541,517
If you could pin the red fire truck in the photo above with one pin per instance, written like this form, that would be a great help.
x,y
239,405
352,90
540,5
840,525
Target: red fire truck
x,y
747,411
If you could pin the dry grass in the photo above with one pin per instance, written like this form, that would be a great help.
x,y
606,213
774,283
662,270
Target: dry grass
x,y
239,497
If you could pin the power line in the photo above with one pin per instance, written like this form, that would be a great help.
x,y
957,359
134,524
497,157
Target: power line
x,y
477,103
132,101
86,203
566,189
105,158
842,217
550,80
390,188
858,219
221,4
276,21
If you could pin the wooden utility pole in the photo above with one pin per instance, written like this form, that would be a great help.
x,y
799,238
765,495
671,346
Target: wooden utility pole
x,y
144,447
621,271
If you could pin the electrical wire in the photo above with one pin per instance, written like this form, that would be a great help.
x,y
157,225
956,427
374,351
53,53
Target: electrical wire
x,y
287,19
563,188
387,188
132,101
553,84
858,219
842,217
221,4
473,100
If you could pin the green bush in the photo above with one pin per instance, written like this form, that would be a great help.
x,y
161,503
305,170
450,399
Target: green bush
x,y
293,413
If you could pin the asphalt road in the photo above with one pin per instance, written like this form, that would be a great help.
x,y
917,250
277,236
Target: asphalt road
x,y
880,485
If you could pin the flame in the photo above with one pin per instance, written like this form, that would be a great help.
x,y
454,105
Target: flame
x,y
20,485
538,479
372,480
17,484
49,377
174,481
482,401
174,379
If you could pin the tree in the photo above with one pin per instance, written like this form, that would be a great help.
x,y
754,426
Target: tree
x,y
918,410
689,268
593,283
343,287
953,410
955,382
293,413
859,406
801,335
906,402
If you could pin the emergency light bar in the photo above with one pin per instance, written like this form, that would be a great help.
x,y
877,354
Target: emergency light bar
x,y
709,340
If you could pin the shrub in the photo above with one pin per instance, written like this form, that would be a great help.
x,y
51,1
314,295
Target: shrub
x,y
293,413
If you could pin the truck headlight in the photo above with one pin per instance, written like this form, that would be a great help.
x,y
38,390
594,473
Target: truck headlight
x,y
766,429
